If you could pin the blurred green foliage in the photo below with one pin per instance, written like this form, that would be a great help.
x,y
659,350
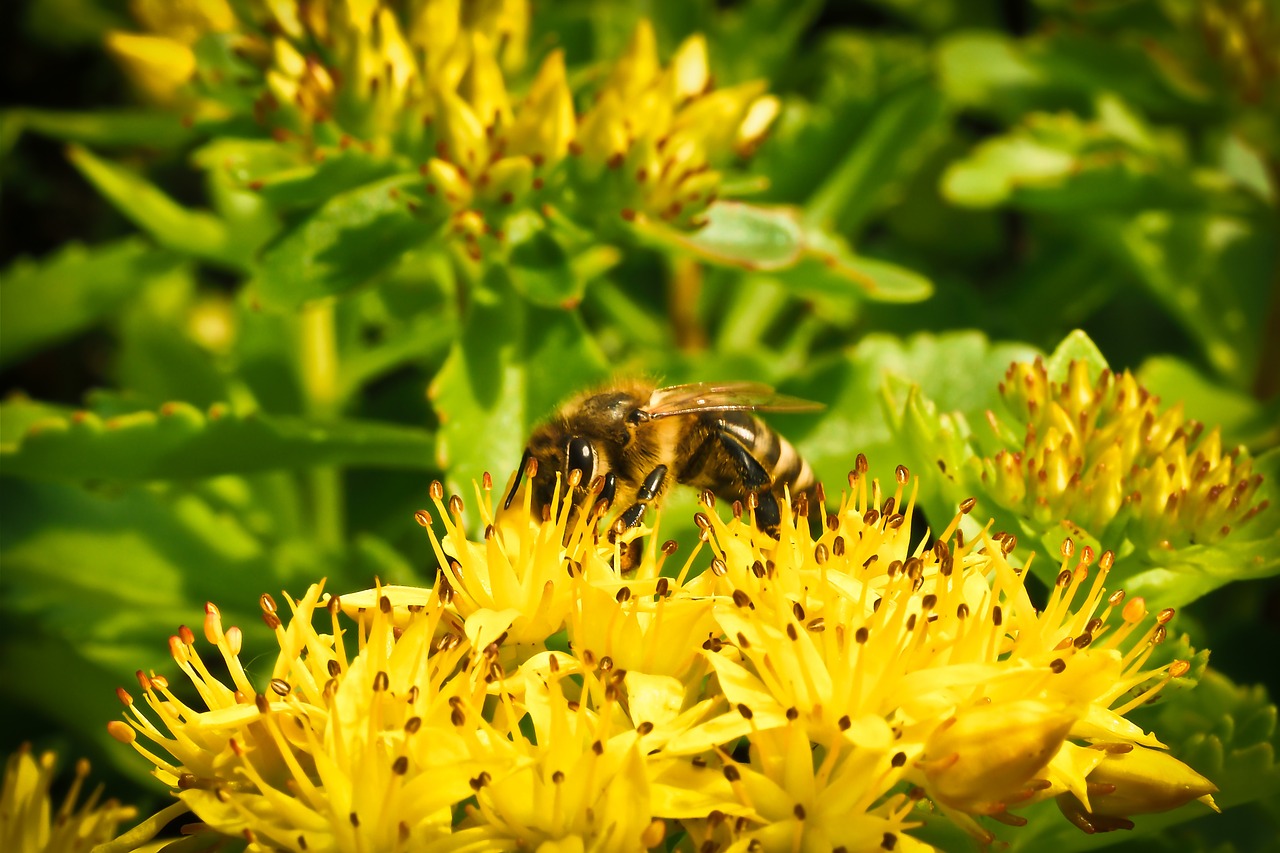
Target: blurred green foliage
x,y
232,370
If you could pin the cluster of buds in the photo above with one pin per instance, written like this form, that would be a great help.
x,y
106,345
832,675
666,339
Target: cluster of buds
x,y
426,85
1101,454
535,695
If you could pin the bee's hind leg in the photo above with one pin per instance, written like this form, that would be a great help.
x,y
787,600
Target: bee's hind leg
x,y
755,481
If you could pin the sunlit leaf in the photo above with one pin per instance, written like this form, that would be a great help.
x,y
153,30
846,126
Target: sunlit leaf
x,y
829,267
348,242
180,442
736,234
105,128
1076,346
193,232
42,303
512,365
889,145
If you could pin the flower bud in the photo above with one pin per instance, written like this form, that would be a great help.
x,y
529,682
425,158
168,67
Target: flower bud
x,y
986,754
1145,781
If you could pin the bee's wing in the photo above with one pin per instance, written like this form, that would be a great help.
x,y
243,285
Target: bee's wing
x,y
722,397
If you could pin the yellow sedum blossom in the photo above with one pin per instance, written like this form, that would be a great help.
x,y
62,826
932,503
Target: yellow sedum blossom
x,y
816,691
435,86
30,824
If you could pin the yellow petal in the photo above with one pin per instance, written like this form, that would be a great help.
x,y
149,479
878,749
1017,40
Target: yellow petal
x,y
157,65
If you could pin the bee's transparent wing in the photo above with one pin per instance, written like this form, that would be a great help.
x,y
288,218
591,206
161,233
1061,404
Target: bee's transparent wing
x,y
723,397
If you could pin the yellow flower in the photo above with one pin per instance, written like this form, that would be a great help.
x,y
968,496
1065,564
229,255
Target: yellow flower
x,y
1103,455
659,131
355,742
805,692
28,823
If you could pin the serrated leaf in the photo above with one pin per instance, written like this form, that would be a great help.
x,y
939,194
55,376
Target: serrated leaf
x,y
937,392
736,234
44,302
512,365
286,178
102,579
192,232
541,271
957,369
354,237
182,442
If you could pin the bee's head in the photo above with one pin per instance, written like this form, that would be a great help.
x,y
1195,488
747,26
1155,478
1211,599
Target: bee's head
x,y
555,450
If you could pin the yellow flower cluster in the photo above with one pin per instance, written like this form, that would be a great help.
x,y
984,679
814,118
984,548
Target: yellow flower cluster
x,y
425,83
1103,455
28,822
801,693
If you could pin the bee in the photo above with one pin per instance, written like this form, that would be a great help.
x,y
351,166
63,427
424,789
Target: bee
x,y
627,444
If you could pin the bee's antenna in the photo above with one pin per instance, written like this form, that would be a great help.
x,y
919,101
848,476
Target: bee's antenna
x,y
515,487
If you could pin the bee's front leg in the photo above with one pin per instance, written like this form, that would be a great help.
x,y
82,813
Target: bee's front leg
x,y
649,489
755,481
648,492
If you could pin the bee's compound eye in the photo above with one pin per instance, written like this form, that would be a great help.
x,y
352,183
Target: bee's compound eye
x,y
581,458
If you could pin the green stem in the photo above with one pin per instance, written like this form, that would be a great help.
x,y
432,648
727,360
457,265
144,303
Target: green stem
x,y
320,380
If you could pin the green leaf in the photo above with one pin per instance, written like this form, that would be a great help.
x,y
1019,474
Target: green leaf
x,y
181,442
889,145
191,232
1213,273
99,581
351,239
539,266
105,128
44,302
285,177
1076,346
1002,165
1242,418
830,268
512,365
982,70
959,370
736,234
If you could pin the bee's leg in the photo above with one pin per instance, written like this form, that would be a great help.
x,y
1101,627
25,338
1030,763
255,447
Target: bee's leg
x,y
649,490
755,481
609,490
